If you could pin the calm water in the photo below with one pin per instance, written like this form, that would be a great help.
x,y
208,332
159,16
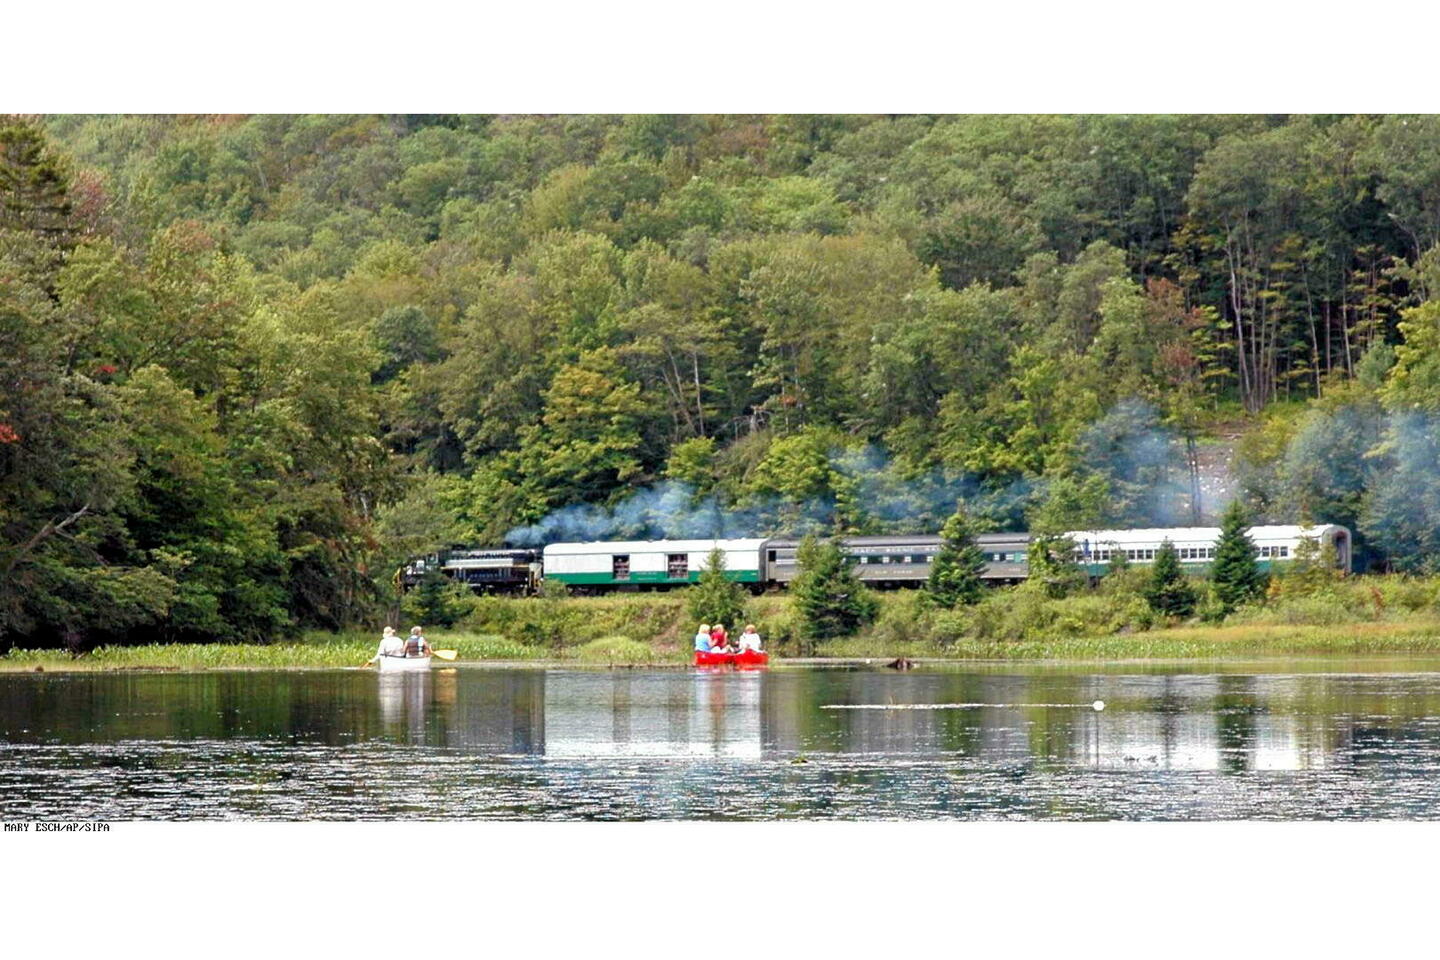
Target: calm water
x,y
1308,742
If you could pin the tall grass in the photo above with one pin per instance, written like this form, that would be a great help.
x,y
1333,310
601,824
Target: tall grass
x,y
316,649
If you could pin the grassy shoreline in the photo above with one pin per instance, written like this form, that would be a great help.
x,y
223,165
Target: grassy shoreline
x,y
328,651
1360,616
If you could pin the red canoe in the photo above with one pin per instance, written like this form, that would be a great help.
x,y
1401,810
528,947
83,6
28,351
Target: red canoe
x,y
745,658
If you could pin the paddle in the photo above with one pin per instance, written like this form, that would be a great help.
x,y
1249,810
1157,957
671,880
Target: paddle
x,y
446,654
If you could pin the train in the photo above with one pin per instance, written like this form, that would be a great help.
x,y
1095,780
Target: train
x,y
884,562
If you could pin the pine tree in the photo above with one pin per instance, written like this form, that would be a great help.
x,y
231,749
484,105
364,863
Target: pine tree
x,y
34,184
831,600
1235,573
1168,592
1052,563
435,601
955,576
715,598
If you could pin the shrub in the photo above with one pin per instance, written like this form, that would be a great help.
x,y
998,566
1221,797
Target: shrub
x,y
1411,594
615,650
438,601
906,624
1316,609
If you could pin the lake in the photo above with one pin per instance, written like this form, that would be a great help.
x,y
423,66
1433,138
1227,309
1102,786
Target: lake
x,y
1282,740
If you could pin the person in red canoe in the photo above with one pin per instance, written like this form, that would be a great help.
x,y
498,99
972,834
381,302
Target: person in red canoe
x,y
720,640
749,640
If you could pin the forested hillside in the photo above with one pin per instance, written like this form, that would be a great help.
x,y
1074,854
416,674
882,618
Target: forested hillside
x,y
250,364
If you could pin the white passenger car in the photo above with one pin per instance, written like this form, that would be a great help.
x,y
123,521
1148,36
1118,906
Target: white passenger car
x,y
607,563
1196,545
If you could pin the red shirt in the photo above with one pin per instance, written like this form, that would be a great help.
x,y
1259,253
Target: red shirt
x,y
718,637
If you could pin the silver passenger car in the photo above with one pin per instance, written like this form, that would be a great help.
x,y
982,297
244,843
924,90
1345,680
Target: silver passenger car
x,y
899,561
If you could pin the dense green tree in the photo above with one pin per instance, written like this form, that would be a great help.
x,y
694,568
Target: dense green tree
x,y
830,599
249,362
1052,563
35,188
955,573
1235,573
590,436
436,601
1168,591
715,598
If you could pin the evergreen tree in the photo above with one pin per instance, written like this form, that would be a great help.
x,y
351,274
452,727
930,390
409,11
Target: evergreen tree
x,y
1236,575
1052,563
436,600
34,184
831,600
1168,592
715,598
955,576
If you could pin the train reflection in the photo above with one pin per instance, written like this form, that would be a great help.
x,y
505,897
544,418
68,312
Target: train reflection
x,y
1182,723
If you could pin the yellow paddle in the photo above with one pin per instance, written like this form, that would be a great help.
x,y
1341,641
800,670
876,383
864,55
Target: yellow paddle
x,y
446,654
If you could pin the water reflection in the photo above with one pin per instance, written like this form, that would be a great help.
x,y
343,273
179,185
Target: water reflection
x,y
696,714
688,743
1216,723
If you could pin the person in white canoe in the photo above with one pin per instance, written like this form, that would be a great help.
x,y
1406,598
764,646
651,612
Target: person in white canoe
x,y
391,645
417,645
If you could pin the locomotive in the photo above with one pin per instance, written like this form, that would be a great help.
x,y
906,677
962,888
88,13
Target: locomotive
x,y
884,562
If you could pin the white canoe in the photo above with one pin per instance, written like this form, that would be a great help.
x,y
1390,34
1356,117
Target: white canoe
x,y
404,664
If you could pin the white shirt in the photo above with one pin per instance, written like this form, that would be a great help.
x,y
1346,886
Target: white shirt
x,y
391,646
750,641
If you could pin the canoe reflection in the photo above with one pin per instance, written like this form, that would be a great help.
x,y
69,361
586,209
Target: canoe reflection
x,y
670,715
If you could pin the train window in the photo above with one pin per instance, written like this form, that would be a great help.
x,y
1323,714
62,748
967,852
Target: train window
x,y
885,559
677,566
772,556
1284,551
620,566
